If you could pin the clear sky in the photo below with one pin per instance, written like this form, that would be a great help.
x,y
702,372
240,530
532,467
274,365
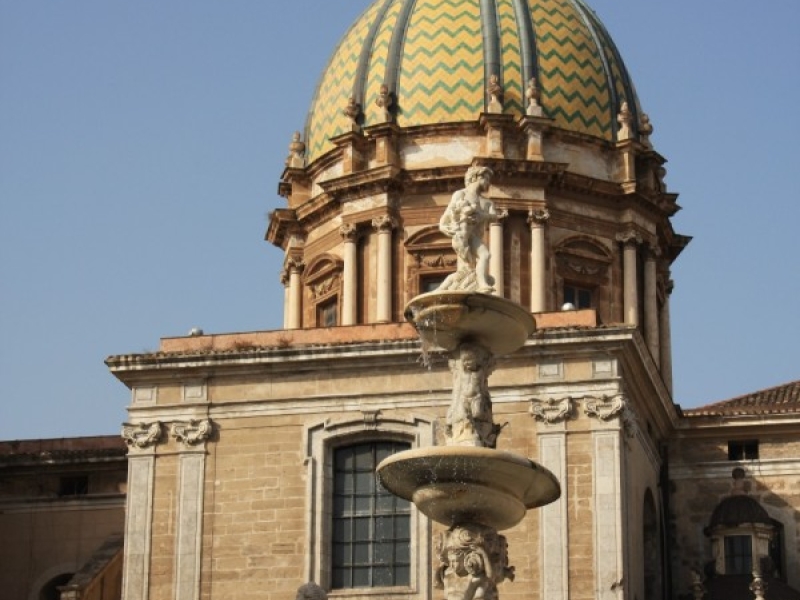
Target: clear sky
x,y
141,145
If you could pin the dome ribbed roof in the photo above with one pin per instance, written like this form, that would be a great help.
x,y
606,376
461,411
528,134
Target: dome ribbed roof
x,y
437,56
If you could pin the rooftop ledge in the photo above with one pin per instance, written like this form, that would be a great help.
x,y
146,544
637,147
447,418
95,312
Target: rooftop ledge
x,y
343,334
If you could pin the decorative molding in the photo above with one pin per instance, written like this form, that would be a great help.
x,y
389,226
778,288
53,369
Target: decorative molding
x,y
551,410
193,432
141,435
327,285
371,418
605,408
145,394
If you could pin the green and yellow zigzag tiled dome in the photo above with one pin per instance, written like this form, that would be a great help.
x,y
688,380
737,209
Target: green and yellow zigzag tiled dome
x,y
436,58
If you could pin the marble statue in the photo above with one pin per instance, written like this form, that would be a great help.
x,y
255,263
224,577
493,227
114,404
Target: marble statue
x,y
465,221
469,419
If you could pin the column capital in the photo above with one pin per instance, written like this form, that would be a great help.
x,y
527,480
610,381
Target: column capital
x,y
295,265
284,277
384,223
654,252
501,214
630,237
349,232
538,217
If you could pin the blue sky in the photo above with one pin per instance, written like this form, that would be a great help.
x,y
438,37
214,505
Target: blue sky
x,y
141,145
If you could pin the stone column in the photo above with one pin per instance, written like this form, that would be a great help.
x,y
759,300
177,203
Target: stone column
x,y
295,294
384,226
651,304
350,284
537,219
496,249
286,297
630,240
191,437
666,338
141,439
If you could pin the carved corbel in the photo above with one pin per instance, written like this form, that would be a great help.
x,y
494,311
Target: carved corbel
x,y
141,435
551,410
191,433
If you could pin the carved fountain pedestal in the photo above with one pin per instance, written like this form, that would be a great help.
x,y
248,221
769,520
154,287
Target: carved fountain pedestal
x,y
467,484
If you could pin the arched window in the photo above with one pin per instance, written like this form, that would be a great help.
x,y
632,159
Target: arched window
x,y
432,259
323,282
582,272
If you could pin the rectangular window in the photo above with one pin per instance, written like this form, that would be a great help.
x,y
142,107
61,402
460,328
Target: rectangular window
x,y
738,555
371,527
328,313
74,485
577,296
743,450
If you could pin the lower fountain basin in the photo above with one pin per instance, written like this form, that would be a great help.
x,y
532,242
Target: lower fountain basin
x,y
463,484
446,319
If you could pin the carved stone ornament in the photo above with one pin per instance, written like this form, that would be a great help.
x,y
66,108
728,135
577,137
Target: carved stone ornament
x,y
605,408
697,587
384,223
310,591
645,130
473,560
434,261
349,231
295,265
352,110
297,149
533,95
625,120
385,100
141,435
192,433
495,92
325,286
551,410
538,217
629,237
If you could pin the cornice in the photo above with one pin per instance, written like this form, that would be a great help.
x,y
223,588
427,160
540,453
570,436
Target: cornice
x,y
361,183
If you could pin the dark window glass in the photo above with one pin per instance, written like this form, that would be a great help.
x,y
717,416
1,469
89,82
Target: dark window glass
x,y
577,296
743,450
76,485
371,527
328,313
738,555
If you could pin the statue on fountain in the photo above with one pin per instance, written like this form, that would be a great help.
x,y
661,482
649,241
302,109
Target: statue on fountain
x,y
469,419
465,221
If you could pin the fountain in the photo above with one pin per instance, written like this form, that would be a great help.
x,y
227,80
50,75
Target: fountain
x,y
468,485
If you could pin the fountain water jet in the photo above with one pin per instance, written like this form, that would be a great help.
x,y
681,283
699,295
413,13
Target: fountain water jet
x,y
467,484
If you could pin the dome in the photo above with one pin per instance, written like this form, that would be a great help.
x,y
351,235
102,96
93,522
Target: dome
x,y
738,510
437,58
